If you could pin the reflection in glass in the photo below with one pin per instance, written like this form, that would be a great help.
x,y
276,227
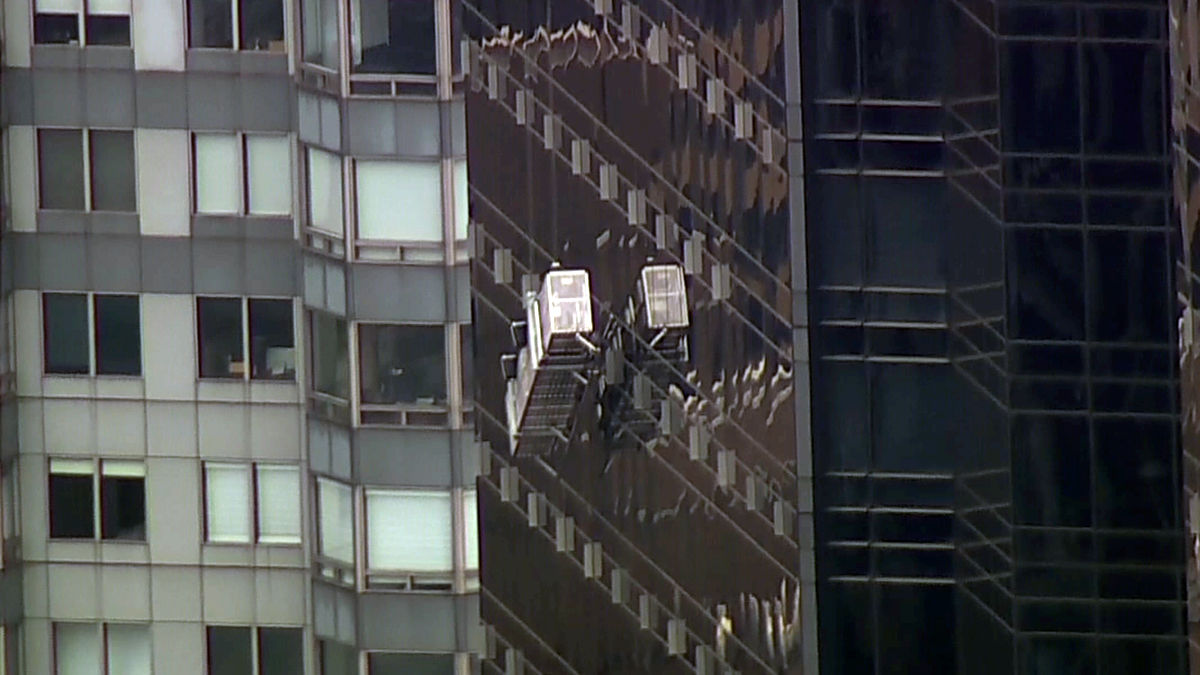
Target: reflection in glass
x,y
211,24
220,326
261,25
65,328
402,364
330,355
393,36
118,335
272,340
319,32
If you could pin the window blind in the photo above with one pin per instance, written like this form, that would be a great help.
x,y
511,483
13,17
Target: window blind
x,y
123,468
462,200
269,175
279,504
77,649
325,191
409,531
73,467
227,502
128,649
59,6
218,174
470,506
117,7
336,521
399,201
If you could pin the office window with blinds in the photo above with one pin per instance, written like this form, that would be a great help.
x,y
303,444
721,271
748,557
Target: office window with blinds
x,y
335,521
266,511
242,174
108,649
410,537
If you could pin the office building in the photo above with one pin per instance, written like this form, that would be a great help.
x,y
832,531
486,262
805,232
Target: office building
x,y
235,299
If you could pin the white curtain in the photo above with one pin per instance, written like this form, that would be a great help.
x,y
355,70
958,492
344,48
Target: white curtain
x,y
269,175
227,502
218,174
325,191
470,506
128,649
409,531
399,200
77,649
336,522
278,504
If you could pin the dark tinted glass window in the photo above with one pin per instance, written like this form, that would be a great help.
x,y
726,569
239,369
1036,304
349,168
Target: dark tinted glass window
x,y
272,340
280,651
1052,471
211,24
410,664
229,651
123,508
118,335
72,506
403,364
65,329
396,36
337,659
219,322
107,30
60,167
55,29
113,175
330,355
262,24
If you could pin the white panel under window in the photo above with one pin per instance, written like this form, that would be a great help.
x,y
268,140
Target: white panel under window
x,y
269,175
76,467
123,468
77,649
128,649
218,174
325,191
470,506
399,201
336,520
409,531
462,200
278,504
58,6
227,502
118,7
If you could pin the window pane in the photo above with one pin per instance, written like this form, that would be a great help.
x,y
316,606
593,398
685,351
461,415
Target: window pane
x,y
262,24
335,503
331,358
269,171
410,664
467,339
77,649
462,199
229,651
227,502
337,659
219,323
60,167
122,504
56,29
281,651
272,340
399,201
320,32
72,507
211,24
113,174
279,504
402,364
393,36
409,531
325,191
218,173
65,329
128,649
108,30
118,335
471,528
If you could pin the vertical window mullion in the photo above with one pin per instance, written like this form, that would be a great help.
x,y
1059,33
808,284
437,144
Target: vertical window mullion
x,y
244,158
235,24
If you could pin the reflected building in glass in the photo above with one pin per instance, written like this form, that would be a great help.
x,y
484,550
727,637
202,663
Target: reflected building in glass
x,y
926,420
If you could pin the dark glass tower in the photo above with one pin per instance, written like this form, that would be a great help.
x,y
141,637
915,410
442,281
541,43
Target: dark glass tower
x,y
931,418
